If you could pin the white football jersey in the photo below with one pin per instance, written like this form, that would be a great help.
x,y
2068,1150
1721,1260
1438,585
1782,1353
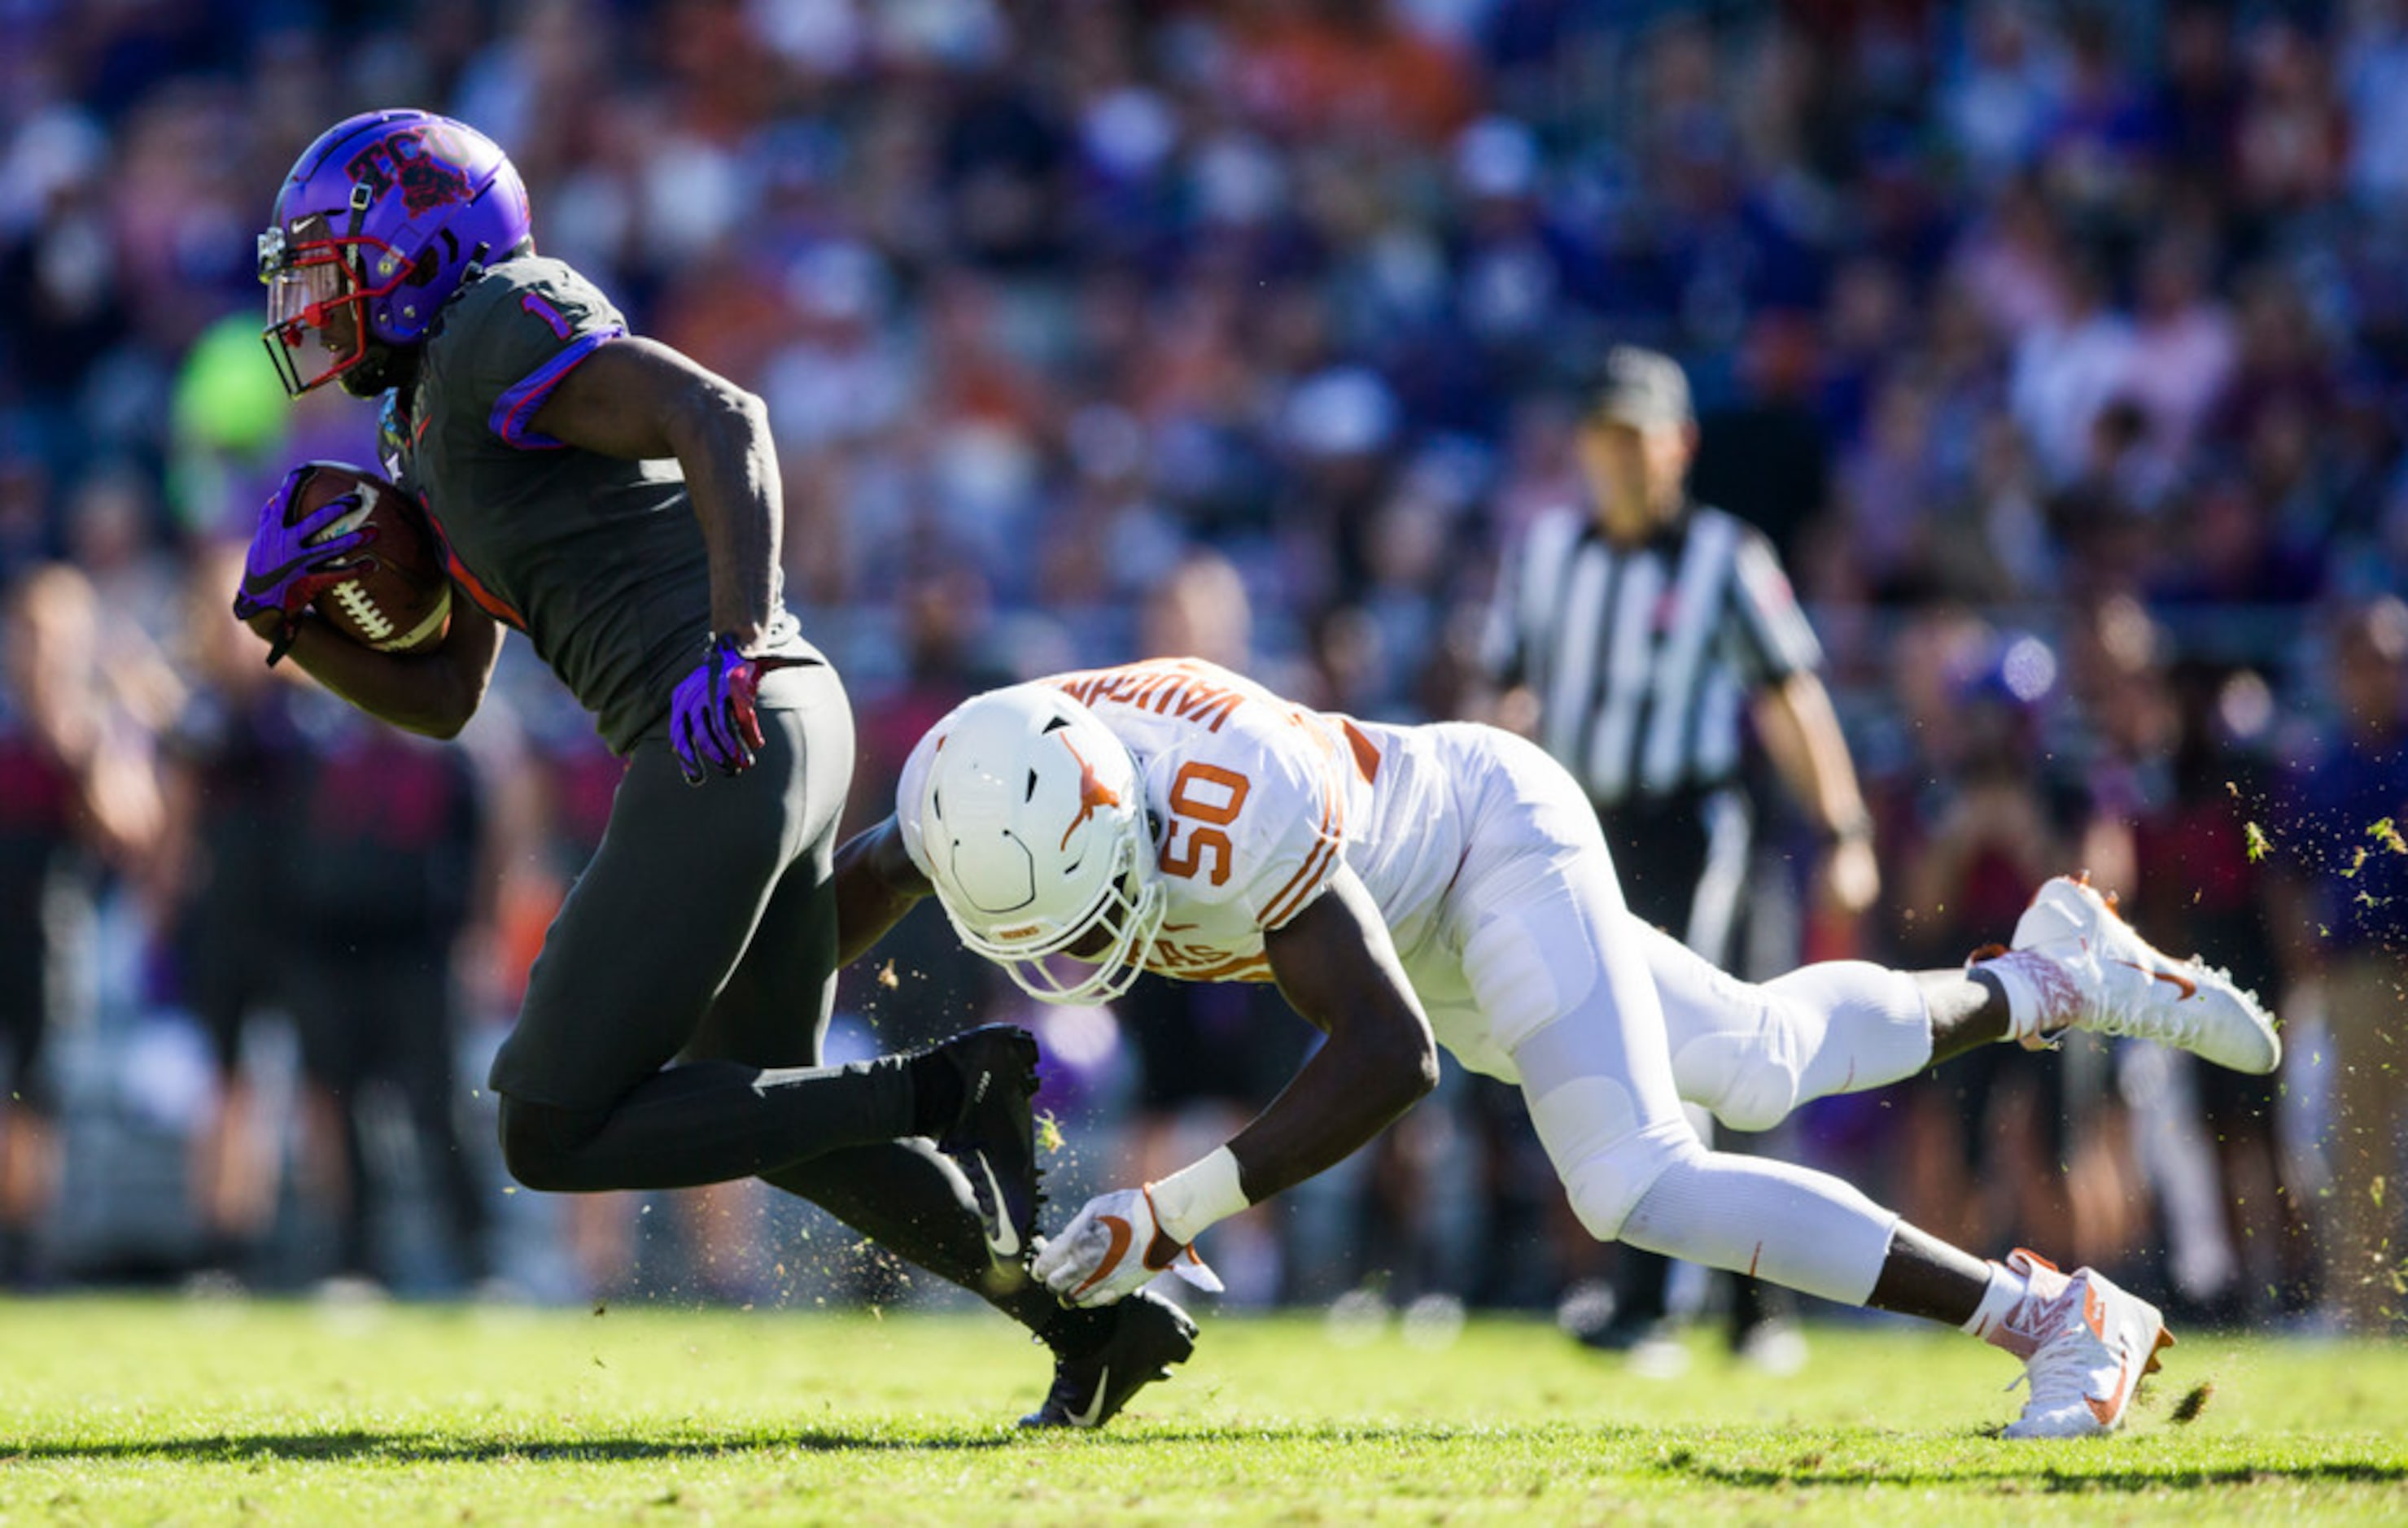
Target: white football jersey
x,y
1488,864
1256,801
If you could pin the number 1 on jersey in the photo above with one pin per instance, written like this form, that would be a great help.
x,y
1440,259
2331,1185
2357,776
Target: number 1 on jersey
x,y
1205,798
548,313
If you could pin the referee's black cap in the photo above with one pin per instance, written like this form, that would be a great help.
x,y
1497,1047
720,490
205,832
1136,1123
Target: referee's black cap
x,y
1641,388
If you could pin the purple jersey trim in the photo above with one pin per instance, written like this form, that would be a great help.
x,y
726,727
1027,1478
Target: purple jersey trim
x,y
518,404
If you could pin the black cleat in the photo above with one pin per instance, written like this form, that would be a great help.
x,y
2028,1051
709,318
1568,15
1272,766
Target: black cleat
x,y
1149,1334
993,1140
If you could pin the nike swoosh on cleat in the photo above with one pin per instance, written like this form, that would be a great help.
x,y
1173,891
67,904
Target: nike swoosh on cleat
x,y
2112,1406
1120,1234
1095,1401
1002,1237
2189,988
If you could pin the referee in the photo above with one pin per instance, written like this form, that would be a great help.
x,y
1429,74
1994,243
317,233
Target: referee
x,y
1631,634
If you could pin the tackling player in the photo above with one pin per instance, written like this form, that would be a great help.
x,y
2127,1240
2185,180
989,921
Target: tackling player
x,y
620,505
1411,887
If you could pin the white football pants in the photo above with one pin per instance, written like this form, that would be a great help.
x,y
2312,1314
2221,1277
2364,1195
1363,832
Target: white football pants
x,y
1537,973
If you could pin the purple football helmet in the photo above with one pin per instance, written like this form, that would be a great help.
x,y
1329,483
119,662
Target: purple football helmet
x,y
379,222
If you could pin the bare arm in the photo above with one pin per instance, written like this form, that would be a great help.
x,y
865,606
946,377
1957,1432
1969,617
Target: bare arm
x,y
639,400
433,694
1335,963
876,884
1801,734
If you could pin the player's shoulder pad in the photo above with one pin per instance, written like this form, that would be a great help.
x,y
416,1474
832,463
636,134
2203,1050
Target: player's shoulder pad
x,y
510,336
521,306
506,287
1256,808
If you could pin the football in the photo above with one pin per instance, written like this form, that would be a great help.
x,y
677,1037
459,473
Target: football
x,y
400,599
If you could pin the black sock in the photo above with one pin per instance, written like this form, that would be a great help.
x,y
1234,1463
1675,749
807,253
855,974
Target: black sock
x,y
707,1121
1071,1331
936,1094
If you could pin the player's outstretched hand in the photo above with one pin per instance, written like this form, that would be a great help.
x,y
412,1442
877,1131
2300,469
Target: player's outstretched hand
x,y
1112,1248
286,568
714,718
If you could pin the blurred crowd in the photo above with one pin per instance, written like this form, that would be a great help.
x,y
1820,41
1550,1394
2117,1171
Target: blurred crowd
x,y
2060,347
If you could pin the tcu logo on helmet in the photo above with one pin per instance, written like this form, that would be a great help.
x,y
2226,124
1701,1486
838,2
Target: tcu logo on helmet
x,y
422,161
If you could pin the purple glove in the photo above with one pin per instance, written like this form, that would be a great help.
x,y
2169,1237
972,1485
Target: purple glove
x,y
712,717
284,573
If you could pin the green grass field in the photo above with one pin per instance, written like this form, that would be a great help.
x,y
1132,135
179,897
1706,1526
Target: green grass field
x,y
126,1411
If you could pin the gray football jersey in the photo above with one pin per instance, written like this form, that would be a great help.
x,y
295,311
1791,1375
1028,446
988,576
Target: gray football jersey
x,y
599,560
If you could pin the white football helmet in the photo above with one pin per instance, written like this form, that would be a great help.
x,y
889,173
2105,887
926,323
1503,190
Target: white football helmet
x,y
1032,823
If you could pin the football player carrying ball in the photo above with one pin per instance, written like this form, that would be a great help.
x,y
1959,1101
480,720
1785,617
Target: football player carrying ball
x,y
620,506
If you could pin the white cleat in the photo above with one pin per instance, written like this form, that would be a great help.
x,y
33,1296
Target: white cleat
x,y
2093,971
2095,1343
2032,1319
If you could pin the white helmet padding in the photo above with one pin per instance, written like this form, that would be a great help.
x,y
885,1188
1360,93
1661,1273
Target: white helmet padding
x,y
1032,823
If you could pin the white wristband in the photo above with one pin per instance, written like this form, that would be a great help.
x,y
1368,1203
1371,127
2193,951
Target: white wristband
x,y
1198,1195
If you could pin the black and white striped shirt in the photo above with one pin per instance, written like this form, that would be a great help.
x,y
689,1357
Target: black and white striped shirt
x,y
1643,658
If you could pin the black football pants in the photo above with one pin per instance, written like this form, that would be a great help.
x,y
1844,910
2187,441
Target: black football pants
x,y
671,1030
